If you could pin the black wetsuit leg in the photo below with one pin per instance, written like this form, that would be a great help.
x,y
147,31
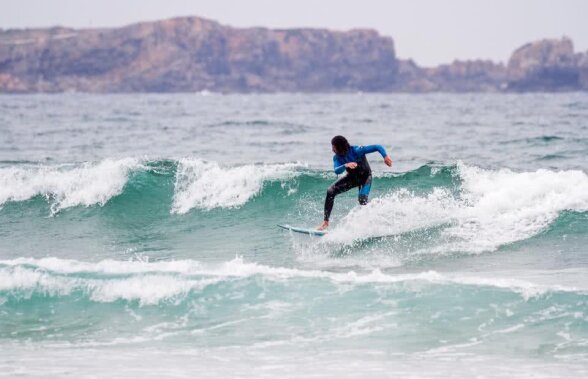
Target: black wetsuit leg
x,y
342,185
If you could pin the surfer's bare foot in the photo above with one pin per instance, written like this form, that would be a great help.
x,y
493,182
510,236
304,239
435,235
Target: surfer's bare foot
x,y
323,226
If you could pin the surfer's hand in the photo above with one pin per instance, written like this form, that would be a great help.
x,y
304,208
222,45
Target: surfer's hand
x,y
388,161
351,165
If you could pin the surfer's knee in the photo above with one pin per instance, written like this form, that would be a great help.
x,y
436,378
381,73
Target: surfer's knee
x,y
363,199
331,192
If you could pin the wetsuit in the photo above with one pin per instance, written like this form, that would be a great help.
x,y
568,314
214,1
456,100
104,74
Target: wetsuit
x,y
361,176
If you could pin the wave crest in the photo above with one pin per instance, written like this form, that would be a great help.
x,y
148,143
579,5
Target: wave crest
x,y
66,185
207,185
489,209
151,283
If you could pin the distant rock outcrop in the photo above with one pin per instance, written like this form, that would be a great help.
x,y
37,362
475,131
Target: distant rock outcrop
x,y
459,76
546,65
194,54
412,78
469,76
583,70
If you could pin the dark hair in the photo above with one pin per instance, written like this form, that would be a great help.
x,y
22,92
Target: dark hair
x,y
341,145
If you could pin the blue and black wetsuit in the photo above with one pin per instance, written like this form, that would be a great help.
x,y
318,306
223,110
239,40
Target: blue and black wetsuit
x,y
361,176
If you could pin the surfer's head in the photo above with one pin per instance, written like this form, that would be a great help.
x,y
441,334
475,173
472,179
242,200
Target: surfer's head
x,y
340,145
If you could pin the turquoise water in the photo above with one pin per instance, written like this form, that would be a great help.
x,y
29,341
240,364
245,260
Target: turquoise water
x,y
138,234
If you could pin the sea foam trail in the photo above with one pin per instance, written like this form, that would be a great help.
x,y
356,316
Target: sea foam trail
x,y
207,185
151,283
491,209
67,185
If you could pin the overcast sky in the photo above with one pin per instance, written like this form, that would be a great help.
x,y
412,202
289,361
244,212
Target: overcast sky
x,y
429,31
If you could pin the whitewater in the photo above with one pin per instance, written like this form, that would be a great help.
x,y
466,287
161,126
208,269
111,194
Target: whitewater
x,y
138,237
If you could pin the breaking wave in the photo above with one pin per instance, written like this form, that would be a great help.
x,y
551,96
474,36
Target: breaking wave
x,y
443,209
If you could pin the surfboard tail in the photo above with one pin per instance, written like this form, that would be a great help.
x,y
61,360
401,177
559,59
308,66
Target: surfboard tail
x,y
311,232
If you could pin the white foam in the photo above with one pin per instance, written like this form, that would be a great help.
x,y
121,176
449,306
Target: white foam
x,y
67,185
394,214
147,288
151,283
504,206
207,185
107,266
493,208
264,360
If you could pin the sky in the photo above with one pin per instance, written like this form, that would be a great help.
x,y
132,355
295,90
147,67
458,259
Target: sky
x,y
431,32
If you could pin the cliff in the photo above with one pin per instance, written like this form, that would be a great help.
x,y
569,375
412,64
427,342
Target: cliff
x,y
194,54
547,65
459,76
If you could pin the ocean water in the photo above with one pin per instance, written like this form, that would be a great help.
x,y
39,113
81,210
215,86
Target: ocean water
x,y
138,237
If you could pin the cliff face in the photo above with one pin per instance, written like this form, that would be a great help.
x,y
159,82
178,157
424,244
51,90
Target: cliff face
x,y
583,70
547,65
193,54
459,76
468,76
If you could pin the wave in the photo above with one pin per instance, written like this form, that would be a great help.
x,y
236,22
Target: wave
x,y
491,209
539,140
454,208
503,206
108,303
151,283
207,185
198,184
67,186
114,302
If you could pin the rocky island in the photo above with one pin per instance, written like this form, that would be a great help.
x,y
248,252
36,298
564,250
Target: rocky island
x,y
192,54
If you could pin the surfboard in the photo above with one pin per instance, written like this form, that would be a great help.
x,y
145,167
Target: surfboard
x,y
310,232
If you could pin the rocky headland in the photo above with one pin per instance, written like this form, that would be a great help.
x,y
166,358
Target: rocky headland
x,y
192,54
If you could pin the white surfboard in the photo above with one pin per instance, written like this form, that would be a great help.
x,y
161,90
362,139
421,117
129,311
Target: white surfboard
x,y
311,232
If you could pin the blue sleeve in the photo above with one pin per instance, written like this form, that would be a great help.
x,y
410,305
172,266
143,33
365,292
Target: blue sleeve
x,y
363,150
338,166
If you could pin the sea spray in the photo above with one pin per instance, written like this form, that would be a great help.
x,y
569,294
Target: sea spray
x,y
207,185
67,185
490,209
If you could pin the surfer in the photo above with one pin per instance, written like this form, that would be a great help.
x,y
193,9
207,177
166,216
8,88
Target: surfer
x,y
359,174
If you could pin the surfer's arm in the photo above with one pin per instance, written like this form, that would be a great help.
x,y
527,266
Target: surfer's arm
x,y
338,166
363,150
